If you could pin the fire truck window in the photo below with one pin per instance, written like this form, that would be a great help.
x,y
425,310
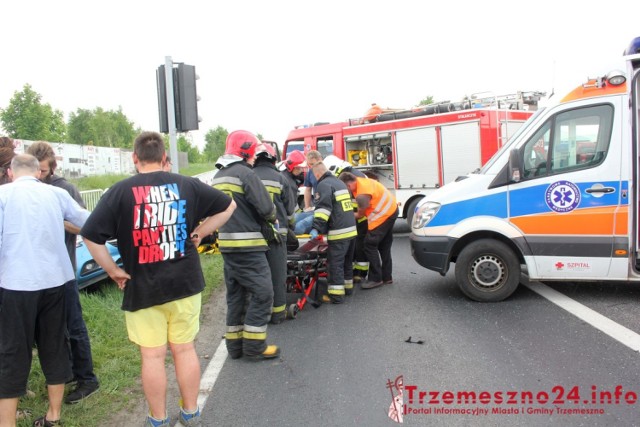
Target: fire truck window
x,y
325,147
294,145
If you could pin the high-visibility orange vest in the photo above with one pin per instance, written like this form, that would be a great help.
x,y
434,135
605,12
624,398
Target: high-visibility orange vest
x,y
383,204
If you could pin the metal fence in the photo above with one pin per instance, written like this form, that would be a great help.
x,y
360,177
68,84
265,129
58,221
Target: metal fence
x,y
91,198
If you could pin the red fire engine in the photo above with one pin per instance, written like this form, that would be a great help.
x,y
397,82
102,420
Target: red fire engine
x,y
413,152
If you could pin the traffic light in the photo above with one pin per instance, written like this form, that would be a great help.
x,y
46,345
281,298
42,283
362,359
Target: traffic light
x,y
162,99
185,98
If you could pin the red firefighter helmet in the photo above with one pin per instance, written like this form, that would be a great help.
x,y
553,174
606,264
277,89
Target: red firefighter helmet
x,y
267,151
295,159
241,143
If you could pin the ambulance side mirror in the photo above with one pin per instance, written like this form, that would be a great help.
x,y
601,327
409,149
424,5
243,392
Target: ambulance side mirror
x,y
515,166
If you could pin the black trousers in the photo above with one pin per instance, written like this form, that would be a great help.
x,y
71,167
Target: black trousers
x,y
339,265
377,248
247,273
277,258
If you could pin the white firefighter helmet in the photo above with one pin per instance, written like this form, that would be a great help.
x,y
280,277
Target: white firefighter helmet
x,y
335,164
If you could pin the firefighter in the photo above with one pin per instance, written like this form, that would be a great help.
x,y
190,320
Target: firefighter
x,y
243,242
278,188
360,263
334,217
292,170
377,203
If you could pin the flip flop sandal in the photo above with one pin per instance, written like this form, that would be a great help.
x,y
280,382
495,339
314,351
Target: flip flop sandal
x,y
44,422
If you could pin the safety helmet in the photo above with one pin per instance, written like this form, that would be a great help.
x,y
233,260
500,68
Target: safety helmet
x,y
295,159
241,143
266,151
335,164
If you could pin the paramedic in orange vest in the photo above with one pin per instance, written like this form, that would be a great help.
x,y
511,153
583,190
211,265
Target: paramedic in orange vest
x,y
381,209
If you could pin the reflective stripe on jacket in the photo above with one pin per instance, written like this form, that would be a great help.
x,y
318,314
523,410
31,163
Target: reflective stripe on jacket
x,y
277,187
242,232
334,210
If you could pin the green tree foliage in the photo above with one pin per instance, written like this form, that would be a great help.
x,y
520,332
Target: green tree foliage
x,y
101,128
427,100
185,146
215,142
27,117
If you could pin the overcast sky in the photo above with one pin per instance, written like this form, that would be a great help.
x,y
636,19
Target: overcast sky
x,y
267,66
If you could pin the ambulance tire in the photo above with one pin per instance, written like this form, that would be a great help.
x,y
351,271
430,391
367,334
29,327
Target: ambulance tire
x,y
487,270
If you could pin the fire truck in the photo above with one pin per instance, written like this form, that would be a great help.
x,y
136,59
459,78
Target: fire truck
x,y
414,152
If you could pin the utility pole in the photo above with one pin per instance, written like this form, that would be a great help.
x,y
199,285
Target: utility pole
x,y
171,113
177,103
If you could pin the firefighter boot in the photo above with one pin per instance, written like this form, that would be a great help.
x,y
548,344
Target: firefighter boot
x,y
271,352
233,340
348,287
278,317
333,299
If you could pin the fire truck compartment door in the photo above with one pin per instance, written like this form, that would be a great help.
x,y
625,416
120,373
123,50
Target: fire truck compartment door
x,y
460,150
417,158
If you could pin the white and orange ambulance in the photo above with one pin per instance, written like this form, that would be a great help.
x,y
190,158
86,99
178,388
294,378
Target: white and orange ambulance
x,y
559,201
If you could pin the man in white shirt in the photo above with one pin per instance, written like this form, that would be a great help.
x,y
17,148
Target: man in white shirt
x,y
34,266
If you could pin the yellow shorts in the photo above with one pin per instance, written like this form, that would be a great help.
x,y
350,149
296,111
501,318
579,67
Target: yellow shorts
x,y
177,322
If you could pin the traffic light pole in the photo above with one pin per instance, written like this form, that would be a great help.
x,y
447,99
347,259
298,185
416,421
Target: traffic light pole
x,y
171,114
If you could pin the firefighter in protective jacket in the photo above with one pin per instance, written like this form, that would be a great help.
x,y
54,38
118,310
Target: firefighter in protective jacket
x,y
334,217
243,242
277,186
360,262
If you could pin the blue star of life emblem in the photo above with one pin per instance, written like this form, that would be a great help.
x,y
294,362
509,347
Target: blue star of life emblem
x,y
563,196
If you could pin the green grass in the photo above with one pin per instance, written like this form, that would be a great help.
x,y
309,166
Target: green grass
x,y
116,359
106,181
197,168
96,182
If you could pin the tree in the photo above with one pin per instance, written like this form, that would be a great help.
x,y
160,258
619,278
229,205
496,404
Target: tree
x,y
215,144
27,117
101,128
427,100
185,146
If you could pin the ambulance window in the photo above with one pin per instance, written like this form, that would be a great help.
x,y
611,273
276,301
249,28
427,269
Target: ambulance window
x,y
536,153
581,138
572,140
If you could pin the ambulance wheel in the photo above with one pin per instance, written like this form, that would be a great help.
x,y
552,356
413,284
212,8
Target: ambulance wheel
x,y
292,311
487,270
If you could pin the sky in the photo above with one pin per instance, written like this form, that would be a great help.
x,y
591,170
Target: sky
x,y
268,66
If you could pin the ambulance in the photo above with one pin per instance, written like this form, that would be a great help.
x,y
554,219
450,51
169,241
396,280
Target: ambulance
x,y
558,202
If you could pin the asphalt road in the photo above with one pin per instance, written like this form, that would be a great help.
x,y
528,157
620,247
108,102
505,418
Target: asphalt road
x,y
482,364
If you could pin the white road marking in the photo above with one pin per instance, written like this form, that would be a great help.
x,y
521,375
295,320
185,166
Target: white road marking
x,y
614,330
211,373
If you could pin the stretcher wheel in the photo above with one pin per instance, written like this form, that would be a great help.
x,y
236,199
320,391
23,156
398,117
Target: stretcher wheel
x,y
292,311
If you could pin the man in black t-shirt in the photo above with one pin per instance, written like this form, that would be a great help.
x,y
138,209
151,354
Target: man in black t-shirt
x,y
155,215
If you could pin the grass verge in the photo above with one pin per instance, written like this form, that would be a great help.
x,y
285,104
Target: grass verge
x,y
116,360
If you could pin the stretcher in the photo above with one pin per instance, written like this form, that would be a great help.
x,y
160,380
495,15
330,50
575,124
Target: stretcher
x,y
305,266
